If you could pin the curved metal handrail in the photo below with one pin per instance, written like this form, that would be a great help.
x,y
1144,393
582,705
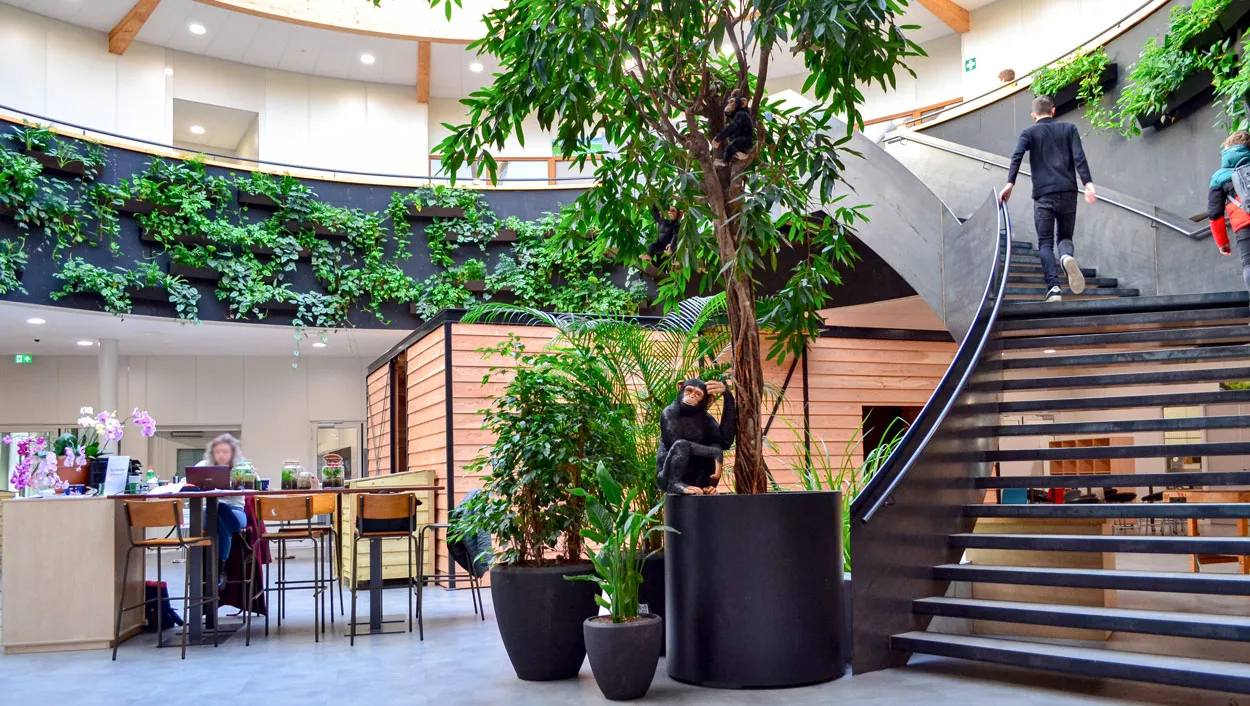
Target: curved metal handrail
x,y
881,486
1193,234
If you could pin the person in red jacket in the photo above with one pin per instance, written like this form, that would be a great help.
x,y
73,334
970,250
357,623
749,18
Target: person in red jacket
x,y
1222,202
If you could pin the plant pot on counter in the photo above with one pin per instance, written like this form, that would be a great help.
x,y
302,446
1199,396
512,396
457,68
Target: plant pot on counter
x,y
754,589
73,475
540,615
623,656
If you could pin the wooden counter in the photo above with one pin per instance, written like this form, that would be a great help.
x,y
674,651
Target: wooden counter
x,y
394,551
62,574
1041,594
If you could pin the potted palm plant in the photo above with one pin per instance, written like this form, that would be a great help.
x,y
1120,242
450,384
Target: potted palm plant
x,y
550,432
624,645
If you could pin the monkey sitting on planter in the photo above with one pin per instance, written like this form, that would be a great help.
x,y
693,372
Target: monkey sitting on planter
x,y
692,444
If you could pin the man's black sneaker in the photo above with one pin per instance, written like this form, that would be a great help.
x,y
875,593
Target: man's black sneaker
x,y
1054,294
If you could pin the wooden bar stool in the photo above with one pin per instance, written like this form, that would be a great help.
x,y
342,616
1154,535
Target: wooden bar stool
x,y
327,504
145,514
291,510
475,587
382,516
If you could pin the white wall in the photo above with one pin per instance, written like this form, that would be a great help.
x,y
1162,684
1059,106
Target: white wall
x,y
274,405
1025,34
66,73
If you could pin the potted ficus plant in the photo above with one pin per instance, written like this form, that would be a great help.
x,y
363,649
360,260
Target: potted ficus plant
x,y
624,645
551,431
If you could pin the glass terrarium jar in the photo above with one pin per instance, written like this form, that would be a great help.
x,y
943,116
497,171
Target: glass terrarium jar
x,y
243,477
290,470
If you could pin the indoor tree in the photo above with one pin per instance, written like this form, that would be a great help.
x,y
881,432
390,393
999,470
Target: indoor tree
x,y
652,80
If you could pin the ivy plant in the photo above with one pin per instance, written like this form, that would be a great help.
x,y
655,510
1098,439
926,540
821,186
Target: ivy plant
x,y
12,262
1086,68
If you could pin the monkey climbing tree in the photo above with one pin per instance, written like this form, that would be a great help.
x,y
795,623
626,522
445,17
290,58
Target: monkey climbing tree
x,y
652,81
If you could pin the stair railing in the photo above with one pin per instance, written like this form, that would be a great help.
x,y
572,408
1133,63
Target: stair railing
x,y
879,489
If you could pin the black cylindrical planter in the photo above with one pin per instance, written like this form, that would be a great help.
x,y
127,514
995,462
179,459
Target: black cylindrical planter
x,y
651,592
623,656
755,595
540,616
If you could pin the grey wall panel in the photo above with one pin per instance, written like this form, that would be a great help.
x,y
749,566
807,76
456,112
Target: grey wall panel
x,y
1168,167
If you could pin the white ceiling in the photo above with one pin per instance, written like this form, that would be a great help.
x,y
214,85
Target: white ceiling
x,y
248,39
146,335
273,44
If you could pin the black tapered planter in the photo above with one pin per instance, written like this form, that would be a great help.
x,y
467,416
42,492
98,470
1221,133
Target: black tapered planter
x,y
755,589
540,616
651,592
623,656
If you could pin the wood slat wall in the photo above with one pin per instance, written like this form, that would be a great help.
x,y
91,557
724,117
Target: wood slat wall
x,y
378,420
844,375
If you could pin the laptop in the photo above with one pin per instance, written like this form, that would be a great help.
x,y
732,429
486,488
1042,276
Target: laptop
x,y
209,477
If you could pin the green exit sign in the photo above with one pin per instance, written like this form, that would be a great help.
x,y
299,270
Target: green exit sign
x,y
23,359
970,65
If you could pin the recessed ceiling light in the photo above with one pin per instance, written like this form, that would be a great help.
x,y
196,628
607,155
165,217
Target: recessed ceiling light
x,y
169,71
475,67
367,59
1048,351
319,344
196,130
197,28
84,343
36,321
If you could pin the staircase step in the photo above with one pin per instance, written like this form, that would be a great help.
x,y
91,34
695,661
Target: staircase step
x,y
1144,511
1118,480
1015,290
1118,426
1111,579
1153,622
1173,302
1085,453
1038,282
1170,355
1036,269
1182,399
1103,543
1209,334
1153,377
1153,318
1100,663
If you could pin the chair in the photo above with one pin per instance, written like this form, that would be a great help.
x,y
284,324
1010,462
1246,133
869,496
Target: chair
x,y
289,509
475,587
327,504
144,514
383,516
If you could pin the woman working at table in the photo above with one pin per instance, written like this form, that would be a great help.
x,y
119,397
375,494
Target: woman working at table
x,y
226,451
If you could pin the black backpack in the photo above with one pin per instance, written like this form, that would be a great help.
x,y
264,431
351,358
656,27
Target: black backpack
x,y
1241,184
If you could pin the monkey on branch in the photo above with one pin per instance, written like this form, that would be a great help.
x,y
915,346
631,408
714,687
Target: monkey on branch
x,y
738,137
692,444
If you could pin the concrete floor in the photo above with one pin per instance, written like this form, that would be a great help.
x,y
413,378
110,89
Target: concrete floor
x,y
462,661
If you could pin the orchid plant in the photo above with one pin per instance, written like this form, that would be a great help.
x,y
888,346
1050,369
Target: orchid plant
x,y
36,465
98,430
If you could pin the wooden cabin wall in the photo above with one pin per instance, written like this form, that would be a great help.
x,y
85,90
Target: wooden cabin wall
x,y
378,421
427,422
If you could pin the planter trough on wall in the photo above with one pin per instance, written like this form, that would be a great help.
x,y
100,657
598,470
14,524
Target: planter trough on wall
x,y
206,274
275,307
138,207
150,294
316,228
73,167
6,210
1066,98
755,589
435,211
540,616
250,199
1204,39
505,235
1235,17
1188,95
476,286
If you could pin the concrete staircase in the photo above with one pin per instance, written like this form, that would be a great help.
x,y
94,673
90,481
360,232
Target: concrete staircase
x,y
1079,356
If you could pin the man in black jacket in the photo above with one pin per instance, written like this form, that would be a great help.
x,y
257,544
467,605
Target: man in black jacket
x,y
1056,157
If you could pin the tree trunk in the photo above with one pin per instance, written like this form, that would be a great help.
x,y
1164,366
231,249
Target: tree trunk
x,y
750,476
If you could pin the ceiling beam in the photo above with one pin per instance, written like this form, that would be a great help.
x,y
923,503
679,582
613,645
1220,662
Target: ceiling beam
x,y
423,71
125,32
951,15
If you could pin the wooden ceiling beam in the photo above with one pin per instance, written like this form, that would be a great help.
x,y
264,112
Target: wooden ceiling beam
x,y
423,71
125,31
951,15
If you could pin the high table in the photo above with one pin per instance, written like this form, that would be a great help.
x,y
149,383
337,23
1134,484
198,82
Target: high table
x,y
203,522
1213,496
